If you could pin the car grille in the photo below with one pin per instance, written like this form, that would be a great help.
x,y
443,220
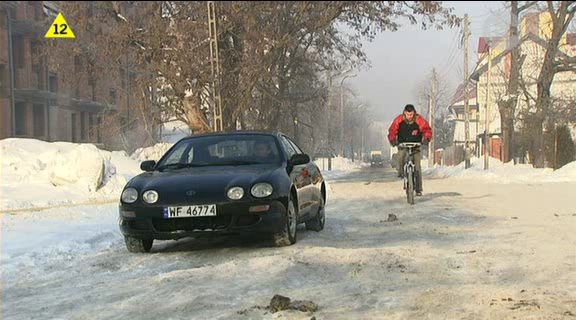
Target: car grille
x,y
247,220
190,224
139,224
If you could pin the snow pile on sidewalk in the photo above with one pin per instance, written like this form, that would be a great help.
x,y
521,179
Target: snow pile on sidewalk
x,y
36,173
503,172
340,166
566,173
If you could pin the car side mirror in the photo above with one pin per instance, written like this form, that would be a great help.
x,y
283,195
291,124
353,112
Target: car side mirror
x,y
299,159
148,166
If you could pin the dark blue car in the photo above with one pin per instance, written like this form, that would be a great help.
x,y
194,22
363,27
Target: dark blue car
x,y
224,183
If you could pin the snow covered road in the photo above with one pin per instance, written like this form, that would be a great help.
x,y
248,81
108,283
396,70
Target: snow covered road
x,y
466,250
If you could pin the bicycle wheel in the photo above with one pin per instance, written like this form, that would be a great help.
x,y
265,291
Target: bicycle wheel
x,y
410,186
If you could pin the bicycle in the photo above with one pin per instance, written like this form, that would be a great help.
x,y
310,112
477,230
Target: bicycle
x,y
410,174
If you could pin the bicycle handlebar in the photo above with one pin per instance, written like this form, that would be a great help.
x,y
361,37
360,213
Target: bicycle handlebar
x,y
409,144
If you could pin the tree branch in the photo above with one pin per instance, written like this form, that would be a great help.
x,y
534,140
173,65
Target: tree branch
x,y
526,5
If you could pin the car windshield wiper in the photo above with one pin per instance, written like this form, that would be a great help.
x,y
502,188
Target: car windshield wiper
x,y
180,166
234,163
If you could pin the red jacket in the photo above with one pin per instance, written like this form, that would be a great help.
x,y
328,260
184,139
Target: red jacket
x,y
420,121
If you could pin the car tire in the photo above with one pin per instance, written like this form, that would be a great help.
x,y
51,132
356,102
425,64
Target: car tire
x,y
287,236
317,223
136,245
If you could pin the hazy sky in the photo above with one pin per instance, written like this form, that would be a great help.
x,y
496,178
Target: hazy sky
x,y
402,59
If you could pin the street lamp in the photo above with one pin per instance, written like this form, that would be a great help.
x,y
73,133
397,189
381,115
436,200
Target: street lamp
x,y
342,112
296,136
358,108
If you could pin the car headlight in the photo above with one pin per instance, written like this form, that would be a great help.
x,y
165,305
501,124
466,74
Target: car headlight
x,y
261,190
235,193
129,195
150,196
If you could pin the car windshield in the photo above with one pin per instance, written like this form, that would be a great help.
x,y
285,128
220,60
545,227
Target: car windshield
x,y
225,150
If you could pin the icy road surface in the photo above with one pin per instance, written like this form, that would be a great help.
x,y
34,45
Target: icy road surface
x,y
466,250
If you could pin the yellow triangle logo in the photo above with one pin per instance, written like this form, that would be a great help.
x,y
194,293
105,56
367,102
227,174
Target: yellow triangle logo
x,y
59,29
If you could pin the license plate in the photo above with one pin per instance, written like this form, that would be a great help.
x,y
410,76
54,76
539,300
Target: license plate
x,y
208,210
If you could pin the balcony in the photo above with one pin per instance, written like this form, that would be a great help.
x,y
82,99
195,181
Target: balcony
x,y
33,94
28,28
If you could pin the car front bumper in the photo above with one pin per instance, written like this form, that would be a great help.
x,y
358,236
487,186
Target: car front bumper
x,y
232,218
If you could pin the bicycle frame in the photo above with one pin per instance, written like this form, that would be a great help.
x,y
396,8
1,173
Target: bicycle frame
x,y
409,169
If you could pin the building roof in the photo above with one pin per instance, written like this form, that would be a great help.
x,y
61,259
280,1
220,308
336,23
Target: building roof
x,y
480,69
459,94
484,42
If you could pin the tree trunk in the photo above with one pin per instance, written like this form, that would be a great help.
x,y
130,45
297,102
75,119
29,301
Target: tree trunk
x,y
231,50
543,97
508,107
507,125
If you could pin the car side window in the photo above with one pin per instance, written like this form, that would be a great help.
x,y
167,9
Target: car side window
x,y
177,155
296,148
288,147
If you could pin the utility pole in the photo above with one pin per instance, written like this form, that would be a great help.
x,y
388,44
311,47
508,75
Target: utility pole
x,y
363,138
342,112
215,65
342,118
432,107
487,116
466,95
329,117
430,164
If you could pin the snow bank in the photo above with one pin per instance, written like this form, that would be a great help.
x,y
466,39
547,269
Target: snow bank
x,y
36,173
174,130
340,166
566,173
151,153
503,172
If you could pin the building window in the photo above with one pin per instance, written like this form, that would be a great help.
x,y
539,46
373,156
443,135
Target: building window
x,y
73,127
112,96
98,126
39,80
4,80
77,64
91,126
20,117
52,82
83,126
39,120
122,78
18,51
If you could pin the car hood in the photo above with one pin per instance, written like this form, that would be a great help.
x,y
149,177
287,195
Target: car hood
x,y
203,183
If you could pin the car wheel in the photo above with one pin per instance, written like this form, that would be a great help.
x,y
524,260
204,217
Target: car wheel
x,y
138,245
317,223
287,236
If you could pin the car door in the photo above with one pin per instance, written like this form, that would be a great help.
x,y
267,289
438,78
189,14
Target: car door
x,y
298,178
314,179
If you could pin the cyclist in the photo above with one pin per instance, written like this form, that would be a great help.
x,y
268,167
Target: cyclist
x,y
409,127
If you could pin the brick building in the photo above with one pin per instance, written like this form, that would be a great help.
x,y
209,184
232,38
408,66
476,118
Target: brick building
x,y
37,101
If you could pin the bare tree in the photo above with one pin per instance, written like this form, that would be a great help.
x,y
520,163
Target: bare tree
x,y
507,105
561,17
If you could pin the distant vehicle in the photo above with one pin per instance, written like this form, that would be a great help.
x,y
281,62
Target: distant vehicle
x,y
376,159
393,156
224,183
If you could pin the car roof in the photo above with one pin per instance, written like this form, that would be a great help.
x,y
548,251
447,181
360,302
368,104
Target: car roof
x,y
235,133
